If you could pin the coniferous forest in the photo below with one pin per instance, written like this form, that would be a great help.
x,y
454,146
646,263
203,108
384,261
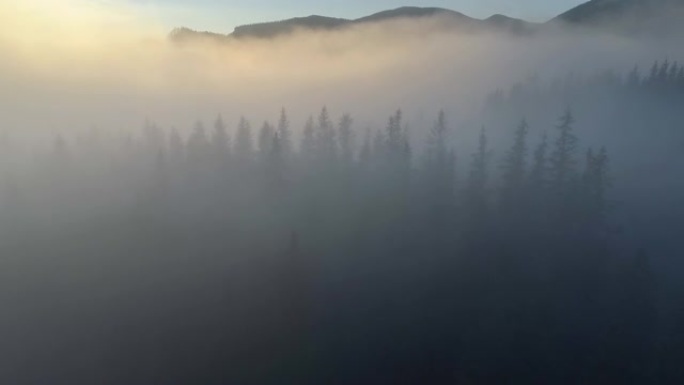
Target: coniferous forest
x,y
191,194
321,252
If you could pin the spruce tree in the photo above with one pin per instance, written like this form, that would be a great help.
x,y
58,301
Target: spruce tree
x,y
596,182
476,189
653,75
663,72
515,167
265,140
326,145
394,137
308,146
366,148
276,161
347,138
538,174
563,157
672,75
436,152
220,140
439,172
285,135
243,141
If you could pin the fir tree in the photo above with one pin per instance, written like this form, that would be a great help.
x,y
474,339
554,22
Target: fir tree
x,y
220,140
563,157
653,76
663,72
276,161
436,153
265,140
515,167
308,146
538,180
285,135
366,148
243,140
672,75
596,181
476,189
326,145
439,172
347,138
395,138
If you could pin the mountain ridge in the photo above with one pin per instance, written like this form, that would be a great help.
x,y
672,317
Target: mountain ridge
x,y
620,16
451,19
654,17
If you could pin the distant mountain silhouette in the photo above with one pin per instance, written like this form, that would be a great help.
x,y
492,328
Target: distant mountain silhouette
x,y
518,26
183,34
275,28
620,16
415,12
448,19
631,16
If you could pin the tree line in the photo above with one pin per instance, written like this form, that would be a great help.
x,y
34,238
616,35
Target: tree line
x,y
334,255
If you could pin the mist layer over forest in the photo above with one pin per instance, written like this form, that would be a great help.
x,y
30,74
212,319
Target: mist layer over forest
x,y
385,203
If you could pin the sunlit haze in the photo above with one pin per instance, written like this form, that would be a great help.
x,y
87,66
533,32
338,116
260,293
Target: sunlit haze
x,y
390,194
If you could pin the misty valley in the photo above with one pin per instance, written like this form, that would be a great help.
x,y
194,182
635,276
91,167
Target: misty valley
x,y
411,197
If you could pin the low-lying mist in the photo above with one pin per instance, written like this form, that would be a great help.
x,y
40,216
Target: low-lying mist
x,y
386,203
68,66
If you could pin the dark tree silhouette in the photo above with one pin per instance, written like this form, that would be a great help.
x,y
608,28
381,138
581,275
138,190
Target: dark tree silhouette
x,y
243,141
477,194
326,141
563,158
285,135
515,169
265,140
347,139
220,140
307,148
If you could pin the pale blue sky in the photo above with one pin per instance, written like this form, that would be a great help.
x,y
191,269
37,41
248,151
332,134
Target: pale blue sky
x,y
224,15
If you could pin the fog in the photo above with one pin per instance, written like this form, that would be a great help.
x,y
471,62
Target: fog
x,y
105,65
393,202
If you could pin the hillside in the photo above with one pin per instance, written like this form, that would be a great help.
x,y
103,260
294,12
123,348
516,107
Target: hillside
x,y
627,16
660,17
448,20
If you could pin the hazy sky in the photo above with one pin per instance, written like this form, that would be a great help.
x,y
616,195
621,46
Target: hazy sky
x,y
224,15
